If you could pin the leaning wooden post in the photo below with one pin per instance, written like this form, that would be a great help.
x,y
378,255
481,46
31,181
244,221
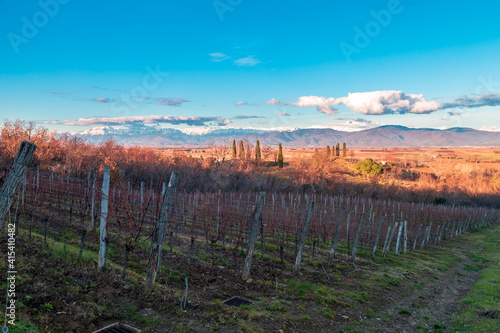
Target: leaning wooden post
x,y
159,232
391,236
423,238
356,237
428,235
303,235
14,178
337,234
377,237
256,221
388,233
103,238
416,237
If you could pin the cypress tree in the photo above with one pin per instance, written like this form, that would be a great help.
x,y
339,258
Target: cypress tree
x,y
316,155
242,151
280,156
344,150
328,152
337,148
233,152
257,153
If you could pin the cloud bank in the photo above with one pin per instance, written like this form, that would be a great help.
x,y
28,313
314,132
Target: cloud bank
x,y
168,101
154,119
390,102
247,117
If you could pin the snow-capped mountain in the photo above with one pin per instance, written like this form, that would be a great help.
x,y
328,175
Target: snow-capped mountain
x,y
383,136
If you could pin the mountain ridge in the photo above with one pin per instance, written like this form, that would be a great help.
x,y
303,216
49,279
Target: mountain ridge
x,y
382,136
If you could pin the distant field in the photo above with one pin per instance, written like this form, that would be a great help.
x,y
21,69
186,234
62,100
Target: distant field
x,y
419,158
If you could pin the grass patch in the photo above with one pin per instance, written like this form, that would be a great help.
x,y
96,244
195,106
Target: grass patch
x,y
482,311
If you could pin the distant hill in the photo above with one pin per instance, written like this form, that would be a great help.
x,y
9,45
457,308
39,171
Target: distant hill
x,y
383,136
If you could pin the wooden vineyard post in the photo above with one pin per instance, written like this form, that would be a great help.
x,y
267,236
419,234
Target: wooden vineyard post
x,y
377,237
159,232
337,234
398,240
446,230
94,175
405,237
391,236
389,228
103,238
307,223
440,234
256,221
428,235
356,237
423,238
14,178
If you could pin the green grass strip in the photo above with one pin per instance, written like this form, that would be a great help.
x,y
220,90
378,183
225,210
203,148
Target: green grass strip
x,y
482,311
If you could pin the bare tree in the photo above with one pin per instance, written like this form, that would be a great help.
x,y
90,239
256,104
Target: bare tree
x,y
219,151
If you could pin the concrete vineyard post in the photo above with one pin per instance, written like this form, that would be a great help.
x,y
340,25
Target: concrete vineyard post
x,y
307,223
159,232
255,222
14,178
103,238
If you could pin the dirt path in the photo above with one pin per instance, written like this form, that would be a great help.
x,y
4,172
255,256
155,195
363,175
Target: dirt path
x,y
426,304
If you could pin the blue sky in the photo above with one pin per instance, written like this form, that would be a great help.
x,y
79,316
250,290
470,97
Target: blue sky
x,y
347,65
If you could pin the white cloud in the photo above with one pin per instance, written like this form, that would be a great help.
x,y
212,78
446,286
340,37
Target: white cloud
x,y
249,61
171,101
490,129
353,124
103,100
387,102
218,56
274,101
154,119
241,103
324,105
284,114
394,101
373,103
50,122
